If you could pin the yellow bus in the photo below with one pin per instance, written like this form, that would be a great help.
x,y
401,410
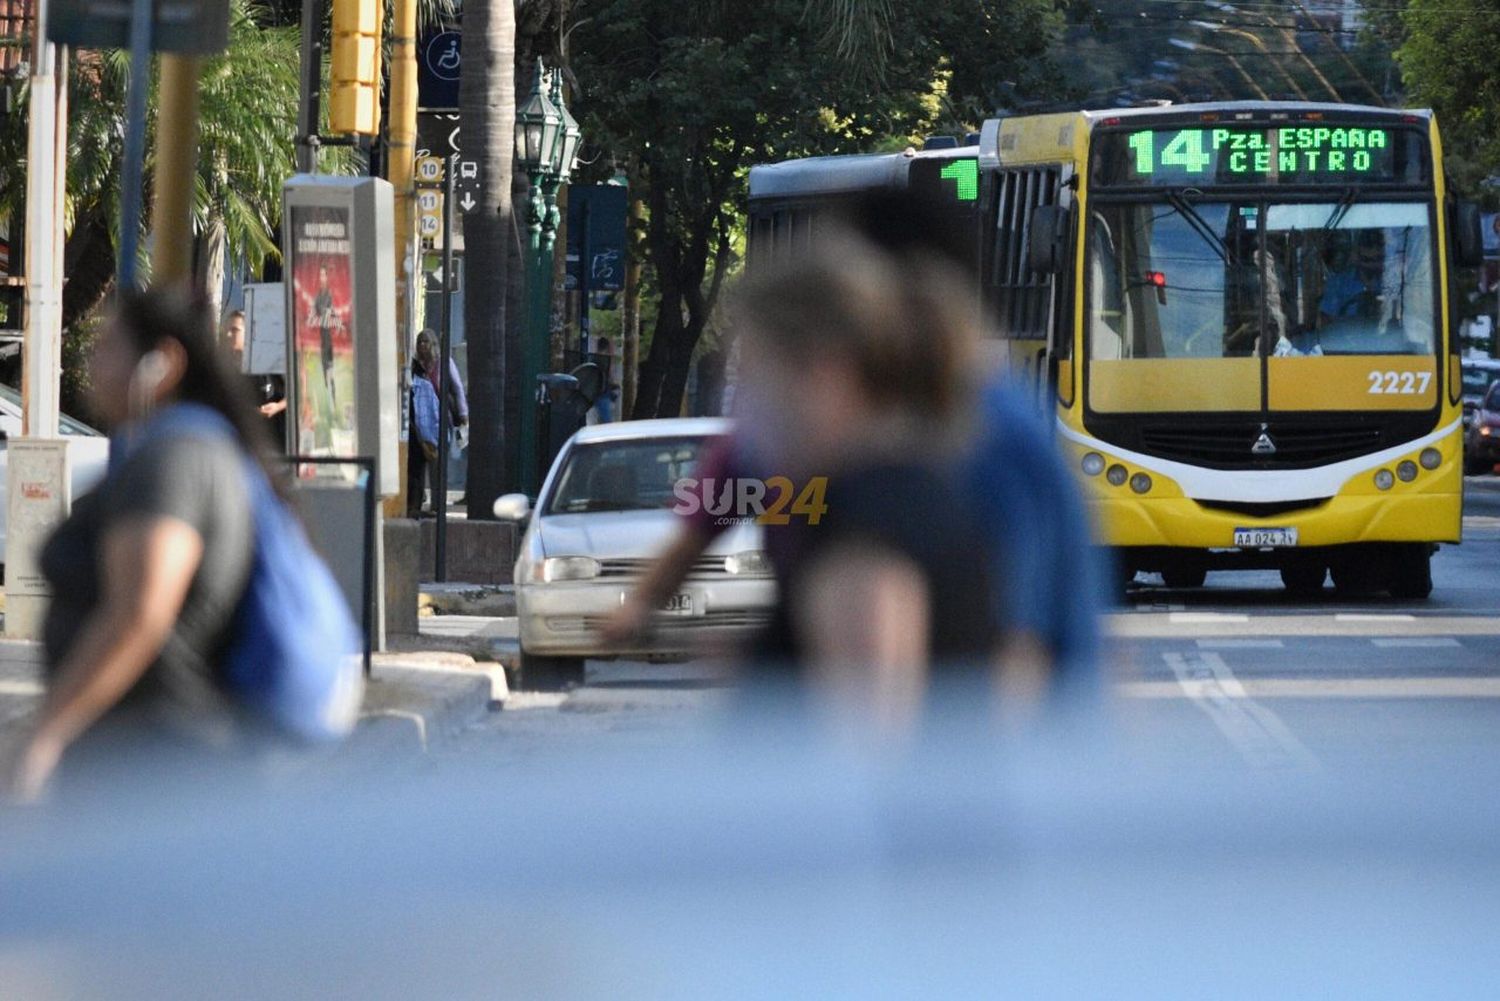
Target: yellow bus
x,y
1240,313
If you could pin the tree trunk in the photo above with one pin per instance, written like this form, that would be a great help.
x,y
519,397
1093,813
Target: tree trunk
x,y
487,100
209,265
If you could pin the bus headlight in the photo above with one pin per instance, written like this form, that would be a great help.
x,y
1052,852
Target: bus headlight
x,y
1117,475
1140,483
1384,480
1406,471
1430,458
1093,464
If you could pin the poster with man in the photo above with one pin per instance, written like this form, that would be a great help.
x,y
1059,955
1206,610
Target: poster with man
x,y
322,310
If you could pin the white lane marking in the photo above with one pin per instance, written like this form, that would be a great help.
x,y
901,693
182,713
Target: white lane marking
x,y
1372,617
1324,688
21,688
1417,641
1156,626
1258,734
1185,618
1240,644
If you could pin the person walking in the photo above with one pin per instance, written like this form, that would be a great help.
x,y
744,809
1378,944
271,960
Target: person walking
x,y
149,571
426,364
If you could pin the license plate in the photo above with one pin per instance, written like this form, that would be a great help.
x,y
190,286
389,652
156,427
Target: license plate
x,y
678,604
1261,538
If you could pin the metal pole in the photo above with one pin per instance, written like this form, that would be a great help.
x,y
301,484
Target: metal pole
x,y
176,168
135,141
585,269
445,360
43,232
309,107
531,335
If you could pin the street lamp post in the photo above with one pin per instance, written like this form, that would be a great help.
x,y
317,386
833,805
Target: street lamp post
x,y
546,142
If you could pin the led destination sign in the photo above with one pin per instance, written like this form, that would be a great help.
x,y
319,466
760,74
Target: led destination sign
x,y
1296,154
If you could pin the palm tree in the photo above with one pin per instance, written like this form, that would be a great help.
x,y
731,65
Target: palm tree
x,y
487,101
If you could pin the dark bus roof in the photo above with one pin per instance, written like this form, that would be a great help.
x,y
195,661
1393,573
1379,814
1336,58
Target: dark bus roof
x,y
831,175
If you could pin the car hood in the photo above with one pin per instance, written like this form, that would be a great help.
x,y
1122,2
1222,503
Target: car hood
x,y
624,534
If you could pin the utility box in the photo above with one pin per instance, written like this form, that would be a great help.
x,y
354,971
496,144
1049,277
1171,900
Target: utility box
x,y
340,275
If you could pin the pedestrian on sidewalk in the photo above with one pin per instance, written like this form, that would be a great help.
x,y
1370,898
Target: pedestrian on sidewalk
x,y
150,571
421,462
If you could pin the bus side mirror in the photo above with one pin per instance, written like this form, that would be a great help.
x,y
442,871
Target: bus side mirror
x,y
1046,238
1468,235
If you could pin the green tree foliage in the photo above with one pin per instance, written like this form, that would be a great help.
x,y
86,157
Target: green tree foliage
x,y
694,94
1449,63
249,108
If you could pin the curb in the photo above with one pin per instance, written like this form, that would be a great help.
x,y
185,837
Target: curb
x,y
415,706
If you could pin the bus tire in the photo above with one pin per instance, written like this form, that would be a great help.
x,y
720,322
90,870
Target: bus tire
x,y
1304,579
1363,574
1182,577
1411,571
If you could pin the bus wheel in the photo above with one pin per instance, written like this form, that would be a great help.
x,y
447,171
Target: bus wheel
x,y
1360,575
1411,571
1184,576
1304,579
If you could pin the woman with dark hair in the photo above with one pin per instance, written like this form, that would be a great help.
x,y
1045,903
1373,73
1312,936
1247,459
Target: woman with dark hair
x,y
149,569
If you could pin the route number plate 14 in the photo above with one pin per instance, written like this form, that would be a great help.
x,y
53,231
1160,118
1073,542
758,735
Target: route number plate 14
x,y
1261,538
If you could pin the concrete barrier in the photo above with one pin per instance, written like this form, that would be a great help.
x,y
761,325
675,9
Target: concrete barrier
x,y
403,548
479,552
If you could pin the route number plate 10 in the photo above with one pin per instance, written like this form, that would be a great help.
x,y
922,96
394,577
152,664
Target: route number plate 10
x,y
1260,538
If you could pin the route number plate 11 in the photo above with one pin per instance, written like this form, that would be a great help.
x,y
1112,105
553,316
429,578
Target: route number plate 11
x,y
1261,538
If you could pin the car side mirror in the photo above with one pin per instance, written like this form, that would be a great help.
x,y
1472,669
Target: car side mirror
x,y
1045,239
1468,235
512,507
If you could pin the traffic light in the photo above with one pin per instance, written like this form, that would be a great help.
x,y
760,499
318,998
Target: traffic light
x,y
354,76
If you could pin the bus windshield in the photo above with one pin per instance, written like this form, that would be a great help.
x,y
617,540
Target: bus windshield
x,y
1173,279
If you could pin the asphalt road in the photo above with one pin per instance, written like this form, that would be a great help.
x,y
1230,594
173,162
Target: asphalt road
x,y
1237,670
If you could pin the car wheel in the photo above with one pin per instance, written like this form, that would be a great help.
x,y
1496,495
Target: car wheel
x,y
1184,576
1411,571
1304,579
550,674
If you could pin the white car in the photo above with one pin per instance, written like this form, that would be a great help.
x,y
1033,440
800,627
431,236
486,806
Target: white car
x,y
603,513
88,455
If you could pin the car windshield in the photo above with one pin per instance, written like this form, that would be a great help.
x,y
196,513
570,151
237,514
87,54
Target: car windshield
x,y
629,475
1180,280
1477,380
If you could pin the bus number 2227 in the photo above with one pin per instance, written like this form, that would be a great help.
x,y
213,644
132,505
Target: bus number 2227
x,y
1399,382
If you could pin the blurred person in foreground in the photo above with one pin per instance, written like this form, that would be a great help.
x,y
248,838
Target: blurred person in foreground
x,y
858,370
1047,579
149,570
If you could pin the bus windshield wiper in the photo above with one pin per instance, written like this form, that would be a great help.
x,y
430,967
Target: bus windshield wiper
x,y
1346,202
1179,202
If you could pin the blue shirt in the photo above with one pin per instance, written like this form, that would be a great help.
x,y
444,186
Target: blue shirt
x,y
1049,577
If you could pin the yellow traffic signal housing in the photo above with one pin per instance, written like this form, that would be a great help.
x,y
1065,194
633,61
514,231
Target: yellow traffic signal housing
x,y
354,74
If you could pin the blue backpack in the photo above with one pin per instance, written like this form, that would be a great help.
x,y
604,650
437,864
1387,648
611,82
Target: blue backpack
x,y
295,656
426,409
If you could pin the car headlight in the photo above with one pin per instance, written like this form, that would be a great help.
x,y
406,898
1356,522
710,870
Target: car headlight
x,y
555,568
751,562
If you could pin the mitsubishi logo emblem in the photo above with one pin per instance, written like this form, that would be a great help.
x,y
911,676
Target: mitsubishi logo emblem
x,y
1263,445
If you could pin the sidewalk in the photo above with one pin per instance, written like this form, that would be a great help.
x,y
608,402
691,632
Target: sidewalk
x,y
414,699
